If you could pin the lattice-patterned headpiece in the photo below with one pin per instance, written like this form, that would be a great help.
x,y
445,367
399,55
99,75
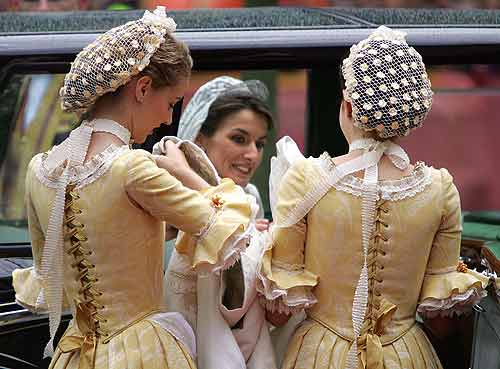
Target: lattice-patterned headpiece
x,y
113,59
387,84
196,111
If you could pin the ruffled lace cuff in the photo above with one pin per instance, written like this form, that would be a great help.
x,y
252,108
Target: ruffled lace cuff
x,y
285,288
452,292
227,233
29,291
289,302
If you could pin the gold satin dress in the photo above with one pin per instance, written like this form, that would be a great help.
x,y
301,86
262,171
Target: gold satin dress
x,y
412,259
114,229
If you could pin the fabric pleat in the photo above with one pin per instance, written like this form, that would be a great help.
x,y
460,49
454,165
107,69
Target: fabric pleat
x,y
314,346
145,345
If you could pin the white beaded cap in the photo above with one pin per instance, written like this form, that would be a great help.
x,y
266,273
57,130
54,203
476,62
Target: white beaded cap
x,y
387,84
113,59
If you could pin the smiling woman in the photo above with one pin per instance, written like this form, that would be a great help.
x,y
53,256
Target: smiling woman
x,y
237,146
229,120
234,135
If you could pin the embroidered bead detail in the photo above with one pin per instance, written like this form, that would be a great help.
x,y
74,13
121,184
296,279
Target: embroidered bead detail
x,y
217,201
462,267
80,252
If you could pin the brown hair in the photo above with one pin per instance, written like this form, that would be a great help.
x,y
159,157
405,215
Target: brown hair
x,y
226,105
169,63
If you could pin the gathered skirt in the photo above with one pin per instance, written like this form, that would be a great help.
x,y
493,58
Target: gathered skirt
x,y
144,345
313,346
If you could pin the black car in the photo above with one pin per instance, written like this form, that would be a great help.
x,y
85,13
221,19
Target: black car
x,y
297,52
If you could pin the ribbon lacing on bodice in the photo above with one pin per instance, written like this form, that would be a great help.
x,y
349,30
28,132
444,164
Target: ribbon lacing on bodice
x,y
379,310
88,318
371,312
61,162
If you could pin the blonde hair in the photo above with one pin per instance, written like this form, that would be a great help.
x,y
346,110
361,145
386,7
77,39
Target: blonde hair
x,y
171,62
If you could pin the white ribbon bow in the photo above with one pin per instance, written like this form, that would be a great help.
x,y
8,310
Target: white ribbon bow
x,y
159,16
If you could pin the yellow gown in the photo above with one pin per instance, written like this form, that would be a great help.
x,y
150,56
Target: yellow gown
x,y
114,227
412,263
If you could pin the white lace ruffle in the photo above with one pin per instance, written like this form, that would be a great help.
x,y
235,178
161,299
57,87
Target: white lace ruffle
x,y
456,304
287,305
276,299
234,245
84,174
229,254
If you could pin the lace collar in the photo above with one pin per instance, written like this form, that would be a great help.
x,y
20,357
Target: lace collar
x,y
81,175
394,190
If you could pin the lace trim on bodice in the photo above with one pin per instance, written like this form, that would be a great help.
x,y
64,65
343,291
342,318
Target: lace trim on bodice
x,y
392,190
81,175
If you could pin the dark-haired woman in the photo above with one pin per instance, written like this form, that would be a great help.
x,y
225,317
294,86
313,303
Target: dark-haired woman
x,y
229,120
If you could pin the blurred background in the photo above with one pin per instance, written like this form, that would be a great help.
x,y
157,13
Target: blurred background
x,y
61,5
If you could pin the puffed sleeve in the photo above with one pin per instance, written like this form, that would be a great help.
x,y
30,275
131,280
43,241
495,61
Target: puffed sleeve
x,y
27,282
284,283
215,222
448,285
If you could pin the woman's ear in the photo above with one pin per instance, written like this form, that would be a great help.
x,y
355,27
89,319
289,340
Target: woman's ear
x,y
348,107
200,140
347,104
142,87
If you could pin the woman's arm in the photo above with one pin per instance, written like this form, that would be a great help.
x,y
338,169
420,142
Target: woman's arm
x,y
284,282
449,288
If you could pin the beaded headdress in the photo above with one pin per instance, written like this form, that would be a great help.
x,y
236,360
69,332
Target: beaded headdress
x,y
387,84
113,59
196,111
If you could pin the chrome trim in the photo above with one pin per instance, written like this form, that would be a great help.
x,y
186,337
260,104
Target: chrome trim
x,y
70,43
14,315
7,304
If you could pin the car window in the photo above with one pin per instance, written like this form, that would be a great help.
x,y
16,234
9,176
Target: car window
x,y
34,121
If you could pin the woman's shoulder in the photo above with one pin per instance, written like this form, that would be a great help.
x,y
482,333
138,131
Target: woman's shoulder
x,y
135,157
441,177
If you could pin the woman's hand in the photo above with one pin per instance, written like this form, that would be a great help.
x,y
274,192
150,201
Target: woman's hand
x,y
262,224
277,319
176,164
174,159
